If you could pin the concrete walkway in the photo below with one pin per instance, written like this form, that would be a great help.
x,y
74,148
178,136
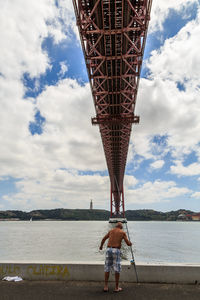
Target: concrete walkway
x,y
57,290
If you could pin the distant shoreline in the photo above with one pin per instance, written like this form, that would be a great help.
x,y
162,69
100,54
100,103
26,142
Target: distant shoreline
x,y
61,220
62,214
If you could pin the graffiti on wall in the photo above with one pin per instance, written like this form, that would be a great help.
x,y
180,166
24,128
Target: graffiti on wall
x,y
48,270
35,270
11,270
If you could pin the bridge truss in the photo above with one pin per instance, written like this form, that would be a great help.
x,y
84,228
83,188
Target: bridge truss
x,y
113,35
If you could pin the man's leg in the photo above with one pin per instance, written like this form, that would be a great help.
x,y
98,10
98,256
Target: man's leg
x,y
117,268
106,281
108,264
117,281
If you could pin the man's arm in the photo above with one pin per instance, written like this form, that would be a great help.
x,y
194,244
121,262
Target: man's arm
x,y
126,240
103,240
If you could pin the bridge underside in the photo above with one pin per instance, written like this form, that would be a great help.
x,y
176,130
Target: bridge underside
x,y
113,35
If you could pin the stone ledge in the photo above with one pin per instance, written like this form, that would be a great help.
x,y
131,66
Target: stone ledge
x,y
93,271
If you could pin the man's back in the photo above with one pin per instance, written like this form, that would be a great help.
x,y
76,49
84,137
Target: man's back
x,y
116,236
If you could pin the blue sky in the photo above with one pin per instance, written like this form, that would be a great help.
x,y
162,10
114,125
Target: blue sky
x,y
50,154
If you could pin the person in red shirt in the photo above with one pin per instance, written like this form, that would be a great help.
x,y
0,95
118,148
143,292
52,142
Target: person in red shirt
x,y
115,237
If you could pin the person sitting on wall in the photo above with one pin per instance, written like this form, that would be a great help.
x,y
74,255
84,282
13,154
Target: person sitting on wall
x,y
112,259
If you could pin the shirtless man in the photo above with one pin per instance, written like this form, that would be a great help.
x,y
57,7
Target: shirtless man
x,y
116,235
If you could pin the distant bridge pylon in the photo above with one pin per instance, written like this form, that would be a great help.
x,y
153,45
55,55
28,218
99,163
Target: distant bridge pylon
x,y
113,35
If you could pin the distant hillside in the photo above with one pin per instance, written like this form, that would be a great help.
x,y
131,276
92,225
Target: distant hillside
x,y
153,215
57,214
87,214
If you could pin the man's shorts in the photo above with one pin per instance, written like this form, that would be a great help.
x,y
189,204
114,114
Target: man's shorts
x,y
113,260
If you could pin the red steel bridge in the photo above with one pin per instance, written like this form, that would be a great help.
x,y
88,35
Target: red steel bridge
x,y
113,35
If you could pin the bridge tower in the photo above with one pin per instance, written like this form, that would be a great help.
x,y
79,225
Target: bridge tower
x,y
113,35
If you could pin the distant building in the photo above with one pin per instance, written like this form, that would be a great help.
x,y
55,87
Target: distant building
x,y
91,205
189,217
196,217
182,217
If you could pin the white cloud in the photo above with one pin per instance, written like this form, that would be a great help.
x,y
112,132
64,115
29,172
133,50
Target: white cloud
x,y
130,181
63,69
62,188
157,164
154,192
190,170
161,9
68,134
164,109
24,26
177,60
66,13
196,195
69,140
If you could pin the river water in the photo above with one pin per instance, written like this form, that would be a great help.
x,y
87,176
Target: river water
x,y
154,242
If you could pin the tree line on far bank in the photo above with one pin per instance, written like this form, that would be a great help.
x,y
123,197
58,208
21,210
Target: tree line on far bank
x,y
89,215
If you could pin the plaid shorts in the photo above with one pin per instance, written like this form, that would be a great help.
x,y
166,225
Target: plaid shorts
x,y
113,260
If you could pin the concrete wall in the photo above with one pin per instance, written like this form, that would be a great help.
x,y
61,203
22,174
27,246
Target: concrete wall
x,y
167,273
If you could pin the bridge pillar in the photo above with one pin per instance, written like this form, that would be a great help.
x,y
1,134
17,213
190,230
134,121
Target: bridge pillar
x,y
117,208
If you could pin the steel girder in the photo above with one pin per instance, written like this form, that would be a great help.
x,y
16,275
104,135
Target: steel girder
x,y
113,35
